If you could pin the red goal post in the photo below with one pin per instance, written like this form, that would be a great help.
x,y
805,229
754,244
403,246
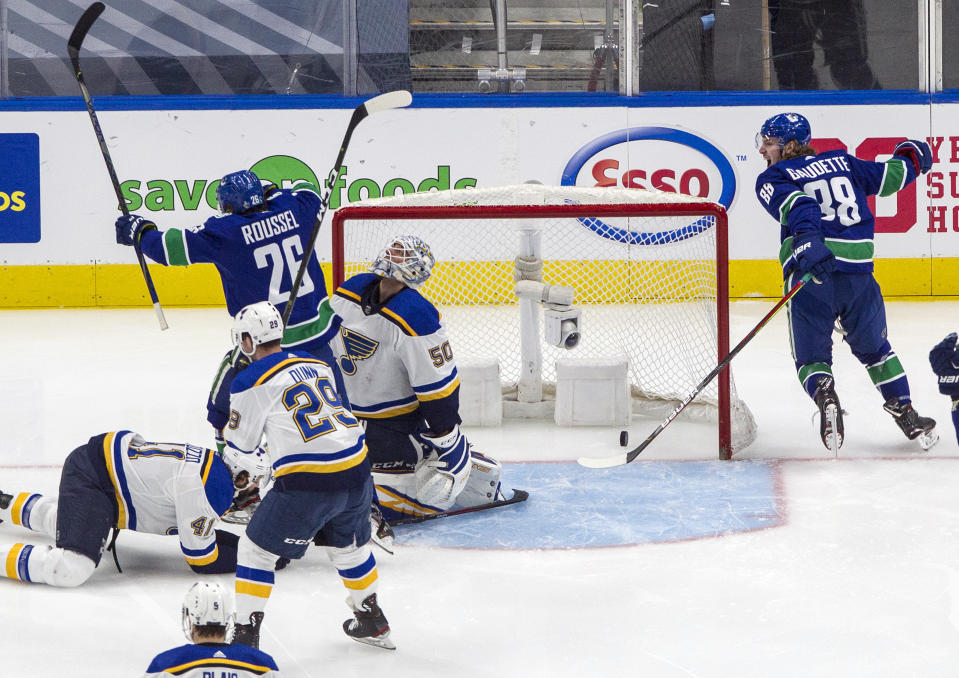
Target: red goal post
x,y
649,269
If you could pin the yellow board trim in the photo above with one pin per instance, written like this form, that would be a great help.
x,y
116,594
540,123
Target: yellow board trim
x,y
121,285
11,564
251,589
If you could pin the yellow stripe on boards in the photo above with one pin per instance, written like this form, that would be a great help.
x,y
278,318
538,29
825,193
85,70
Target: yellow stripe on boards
x,y
111,285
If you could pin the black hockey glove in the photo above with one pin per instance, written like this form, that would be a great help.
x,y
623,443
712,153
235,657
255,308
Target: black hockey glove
x,y
130,228
269,189
813,256
944,360
916,151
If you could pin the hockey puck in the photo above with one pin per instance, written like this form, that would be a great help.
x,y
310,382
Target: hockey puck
x,y
623,438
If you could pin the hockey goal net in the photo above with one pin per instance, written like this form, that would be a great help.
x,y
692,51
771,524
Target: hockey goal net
x,y
648,272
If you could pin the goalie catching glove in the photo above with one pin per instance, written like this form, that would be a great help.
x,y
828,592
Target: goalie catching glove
x,y
444,469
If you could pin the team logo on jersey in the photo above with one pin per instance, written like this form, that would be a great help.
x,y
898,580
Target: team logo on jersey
x,y
358,347
658,158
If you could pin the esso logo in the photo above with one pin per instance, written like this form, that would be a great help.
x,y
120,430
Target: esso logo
x,y
12,201
657,158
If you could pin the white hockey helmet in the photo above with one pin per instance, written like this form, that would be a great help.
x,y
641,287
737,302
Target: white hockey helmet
x,y
207,604
256,465
407,259
261,321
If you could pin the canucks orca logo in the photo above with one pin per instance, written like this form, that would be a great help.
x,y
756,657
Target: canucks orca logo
x,y
358,347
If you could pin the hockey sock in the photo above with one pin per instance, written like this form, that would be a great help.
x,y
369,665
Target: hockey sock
x,y
808,374
17,558
357,568
889,377
32,511
254,578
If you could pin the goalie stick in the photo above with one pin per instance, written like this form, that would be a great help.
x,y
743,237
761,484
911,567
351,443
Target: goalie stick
x,y
397,99
624,458
73,49
518,496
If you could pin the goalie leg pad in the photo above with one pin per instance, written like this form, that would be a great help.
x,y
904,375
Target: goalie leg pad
x,y
483,485
445,468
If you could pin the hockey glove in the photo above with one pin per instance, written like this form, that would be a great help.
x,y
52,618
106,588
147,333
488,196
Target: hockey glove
x,y
131,227
812,256
917,152
944,359
445,467
269,189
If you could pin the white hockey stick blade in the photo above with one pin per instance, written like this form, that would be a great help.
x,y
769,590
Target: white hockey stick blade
x,y
396,99
603,462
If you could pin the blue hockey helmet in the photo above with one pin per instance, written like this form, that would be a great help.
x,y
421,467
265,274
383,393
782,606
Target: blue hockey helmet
x,y
786,127
239,192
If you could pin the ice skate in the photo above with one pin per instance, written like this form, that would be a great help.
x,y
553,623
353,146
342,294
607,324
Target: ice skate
x,y
381,533
369,624
248,634
912,424
830,414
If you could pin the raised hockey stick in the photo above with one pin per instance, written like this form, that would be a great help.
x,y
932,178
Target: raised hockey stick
x,y
625,458
518,496
384,102
73,48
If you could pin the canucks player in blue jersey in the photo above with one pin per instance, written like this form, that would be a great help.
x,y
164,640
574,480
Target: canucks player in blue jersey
x,y
944,358
207,624
256,244
827,228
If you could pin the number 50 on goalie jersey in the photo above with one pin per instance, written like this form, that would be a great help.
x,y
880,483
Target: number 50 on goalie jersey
x,y
396,360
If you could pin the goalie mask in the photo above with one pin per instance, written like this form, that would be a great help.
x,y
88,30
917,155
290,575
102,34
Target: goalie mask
x,y
206,604
407,259
261,321
239,192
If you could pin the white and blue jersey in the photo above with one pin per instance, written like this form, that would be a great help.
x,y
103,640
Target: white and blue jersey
x,y
213,660
395,357
257,254
828,193
289,398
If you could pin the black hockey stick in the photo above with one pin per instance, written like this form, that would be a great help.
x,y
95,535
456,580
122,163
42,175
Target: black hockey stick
x,y
73,48
384,102
518,496
624,458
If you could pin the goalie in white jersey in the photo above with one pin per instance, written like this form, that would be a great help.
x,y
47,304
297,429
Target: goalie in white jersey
x,y
322,489
401,377
119,481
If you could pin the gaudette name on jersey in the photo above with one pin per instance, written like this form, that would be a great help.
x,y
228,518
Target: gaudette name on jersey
x,y
264,228
818,168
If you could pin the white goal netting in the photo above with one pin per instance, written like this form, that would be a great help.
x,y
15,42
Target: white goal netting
x,y
647,270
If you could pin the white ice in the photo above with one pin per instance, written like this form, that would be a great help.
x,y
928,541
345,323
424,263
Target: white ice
x,y
861,578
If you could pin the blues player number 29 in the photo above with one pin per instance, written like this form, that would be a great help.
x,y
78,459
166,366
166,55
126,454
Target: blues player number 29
x,y
306,400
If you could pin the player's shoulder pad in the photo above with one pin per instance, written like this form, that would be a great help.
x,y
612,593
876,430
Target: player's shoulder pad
x,y
412,313
262,370
353,288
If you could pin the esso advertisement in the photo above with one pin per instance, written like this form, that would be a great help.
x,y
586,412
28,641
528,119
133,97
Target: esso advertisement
x,y
20,188
655,158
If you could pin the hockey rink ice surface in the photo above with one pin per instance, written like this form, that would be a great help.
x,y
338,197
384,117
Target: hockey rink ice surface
x,y
784,563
